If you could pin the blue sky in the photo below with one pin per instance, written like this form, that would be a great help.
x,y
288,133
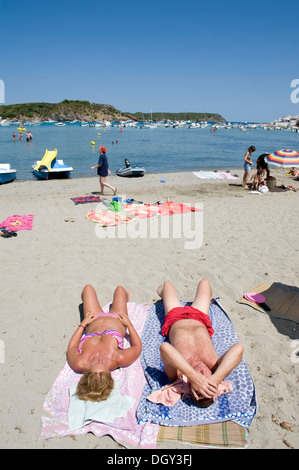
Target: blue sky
x,y
234,58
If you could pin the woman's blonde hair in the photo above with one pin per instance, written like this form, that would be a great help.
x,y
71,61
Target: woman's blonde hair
x,y
94,386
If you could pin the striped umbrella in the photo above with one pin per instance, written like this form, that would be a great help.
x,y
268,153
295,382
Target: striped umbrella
x,y
283,158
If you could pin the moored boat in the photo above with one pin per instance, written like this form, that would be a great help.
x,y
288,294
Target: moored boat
x,y
131,171
7,174
50,167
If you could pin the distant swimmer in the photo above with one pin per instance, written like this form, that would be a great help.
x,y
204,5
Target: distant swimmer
x,y
14,136
20,136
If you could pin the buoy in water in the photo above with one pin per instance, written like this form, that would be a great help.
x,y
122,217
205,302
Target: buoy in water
x,y
99,134
92,143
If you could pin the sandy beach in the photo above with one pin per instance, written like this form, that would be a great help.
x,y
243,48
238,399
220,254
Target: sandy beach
x,y
247,239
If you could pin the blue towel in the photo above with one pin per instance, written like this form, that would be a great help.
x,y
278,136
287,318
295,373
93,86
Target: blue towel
x,y
239,405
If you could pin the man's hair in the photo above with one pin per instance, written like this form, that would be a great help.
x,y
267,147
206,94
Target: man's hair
x,y
201,402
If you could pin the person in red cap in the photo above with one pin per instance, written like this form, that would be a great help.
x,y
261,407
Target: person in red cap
x,y
103,170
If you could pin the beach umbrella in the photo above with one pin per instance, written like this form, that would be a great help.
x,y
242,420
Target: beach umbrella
x,y
283,158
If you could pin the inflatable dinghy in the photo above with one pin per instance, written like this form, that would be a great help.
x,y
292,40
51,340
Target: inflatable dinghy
x,y
131,171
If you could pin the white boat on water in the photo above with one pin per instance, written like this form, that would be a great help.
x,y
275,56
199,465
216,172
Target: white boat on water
x,y
5,122
59,124
7,174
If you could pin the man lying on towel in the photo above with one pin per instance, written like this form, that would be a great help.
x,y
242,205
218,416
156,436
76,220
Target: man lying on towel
x,y
190,352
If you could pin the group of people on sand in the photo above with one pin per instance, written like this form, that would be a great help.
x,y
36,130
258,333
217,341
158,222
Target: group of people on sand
x,y
262,169
97,346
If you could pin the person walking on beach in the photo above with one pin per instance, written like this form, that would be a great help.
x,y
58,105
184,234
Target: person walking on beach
x,y
97,346
103,170
190,350
247,165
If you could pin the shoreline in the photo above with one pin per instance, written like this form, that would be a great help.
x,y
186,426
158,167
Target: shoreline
x,y
18,180
46,268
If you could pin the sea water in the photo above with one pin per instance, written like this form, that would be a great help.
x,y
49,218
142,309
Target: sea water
x,y
158,150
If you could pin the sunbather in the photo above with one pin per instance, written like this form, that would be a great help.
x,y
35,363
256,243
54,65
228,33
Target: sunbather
x,y
100,350
294,172
190,351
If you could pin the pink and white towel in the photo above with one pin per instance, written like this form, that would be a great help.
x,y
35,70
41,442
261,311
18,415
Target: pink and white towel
x,y
131,381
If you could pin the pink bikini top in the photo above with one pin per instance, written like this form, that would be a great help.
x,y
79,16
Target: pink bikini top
x,y
115,334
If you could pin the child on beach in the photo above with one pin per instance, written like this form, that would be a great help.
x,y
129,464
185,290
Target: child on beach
x,y
247,165
100,349
257,178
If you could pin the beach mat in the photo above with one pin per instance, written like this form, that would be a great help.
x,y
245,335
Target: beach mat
x,y
238,406
227,435
282,299
130,380
85,199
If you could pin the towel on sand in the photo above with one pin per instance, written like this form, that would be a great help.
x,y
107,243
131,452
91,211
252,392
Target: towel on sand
x,y
18,222
239,405
130,380
83,412
165,208
85,199
214,175
281,298
108,218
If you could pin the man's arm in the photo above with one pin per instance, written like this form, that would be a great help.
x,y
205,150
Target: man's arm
x,y
175,365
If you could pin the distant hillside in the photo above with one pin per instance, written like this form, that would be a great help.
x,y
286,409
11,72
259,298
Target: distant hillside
x,y
209,117
67,110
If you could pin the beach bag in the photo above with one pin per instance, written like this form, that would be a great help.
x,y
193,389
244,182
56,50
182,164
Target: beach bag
x,y
263,189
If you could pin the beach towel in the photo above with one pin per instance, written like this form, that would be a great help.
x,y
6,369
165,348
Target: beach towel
x,y
108,218
130,381
283,300
85,199
239,405
166,208
18,222
83,412
215,175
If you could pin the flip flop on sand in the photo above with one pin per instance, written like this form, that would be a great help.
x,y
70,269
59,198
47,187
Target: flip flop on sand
x,y
7,234
66,219
72,219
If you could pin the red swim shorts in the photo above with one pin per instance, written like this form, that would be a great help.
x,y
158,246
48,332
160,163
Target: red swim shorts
x,y
184,313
